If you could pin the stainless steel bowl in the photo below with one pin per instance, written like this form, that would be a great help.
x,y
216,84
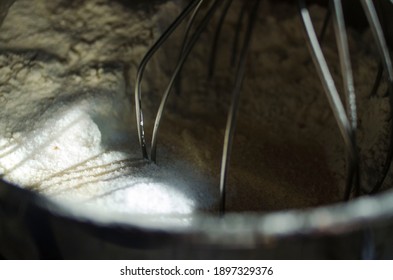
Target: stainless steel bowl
x,y
32,227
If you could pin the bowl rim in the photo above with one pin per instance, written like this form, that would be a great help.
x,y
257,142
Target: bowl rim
x,y
334,219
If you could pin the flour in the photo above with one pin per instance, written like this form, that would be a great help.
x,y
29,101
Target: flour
x,y
68,126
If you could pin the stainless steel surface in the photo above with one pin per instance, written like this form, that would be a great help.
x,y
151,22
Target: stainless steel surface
x,y
33,227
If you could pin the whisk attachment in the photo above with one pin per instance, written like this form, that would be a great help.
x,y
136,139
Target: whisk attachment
x,y
187,45
232,114
386,65
344,111
343,121
350,97
189,26
345,62
179,66
141,69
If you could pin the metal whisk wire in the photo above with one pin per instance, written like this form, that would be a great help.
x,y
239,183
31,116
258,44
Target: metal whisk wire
x,y
187,45
339,26
179,66
343,121
232,115
141,70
